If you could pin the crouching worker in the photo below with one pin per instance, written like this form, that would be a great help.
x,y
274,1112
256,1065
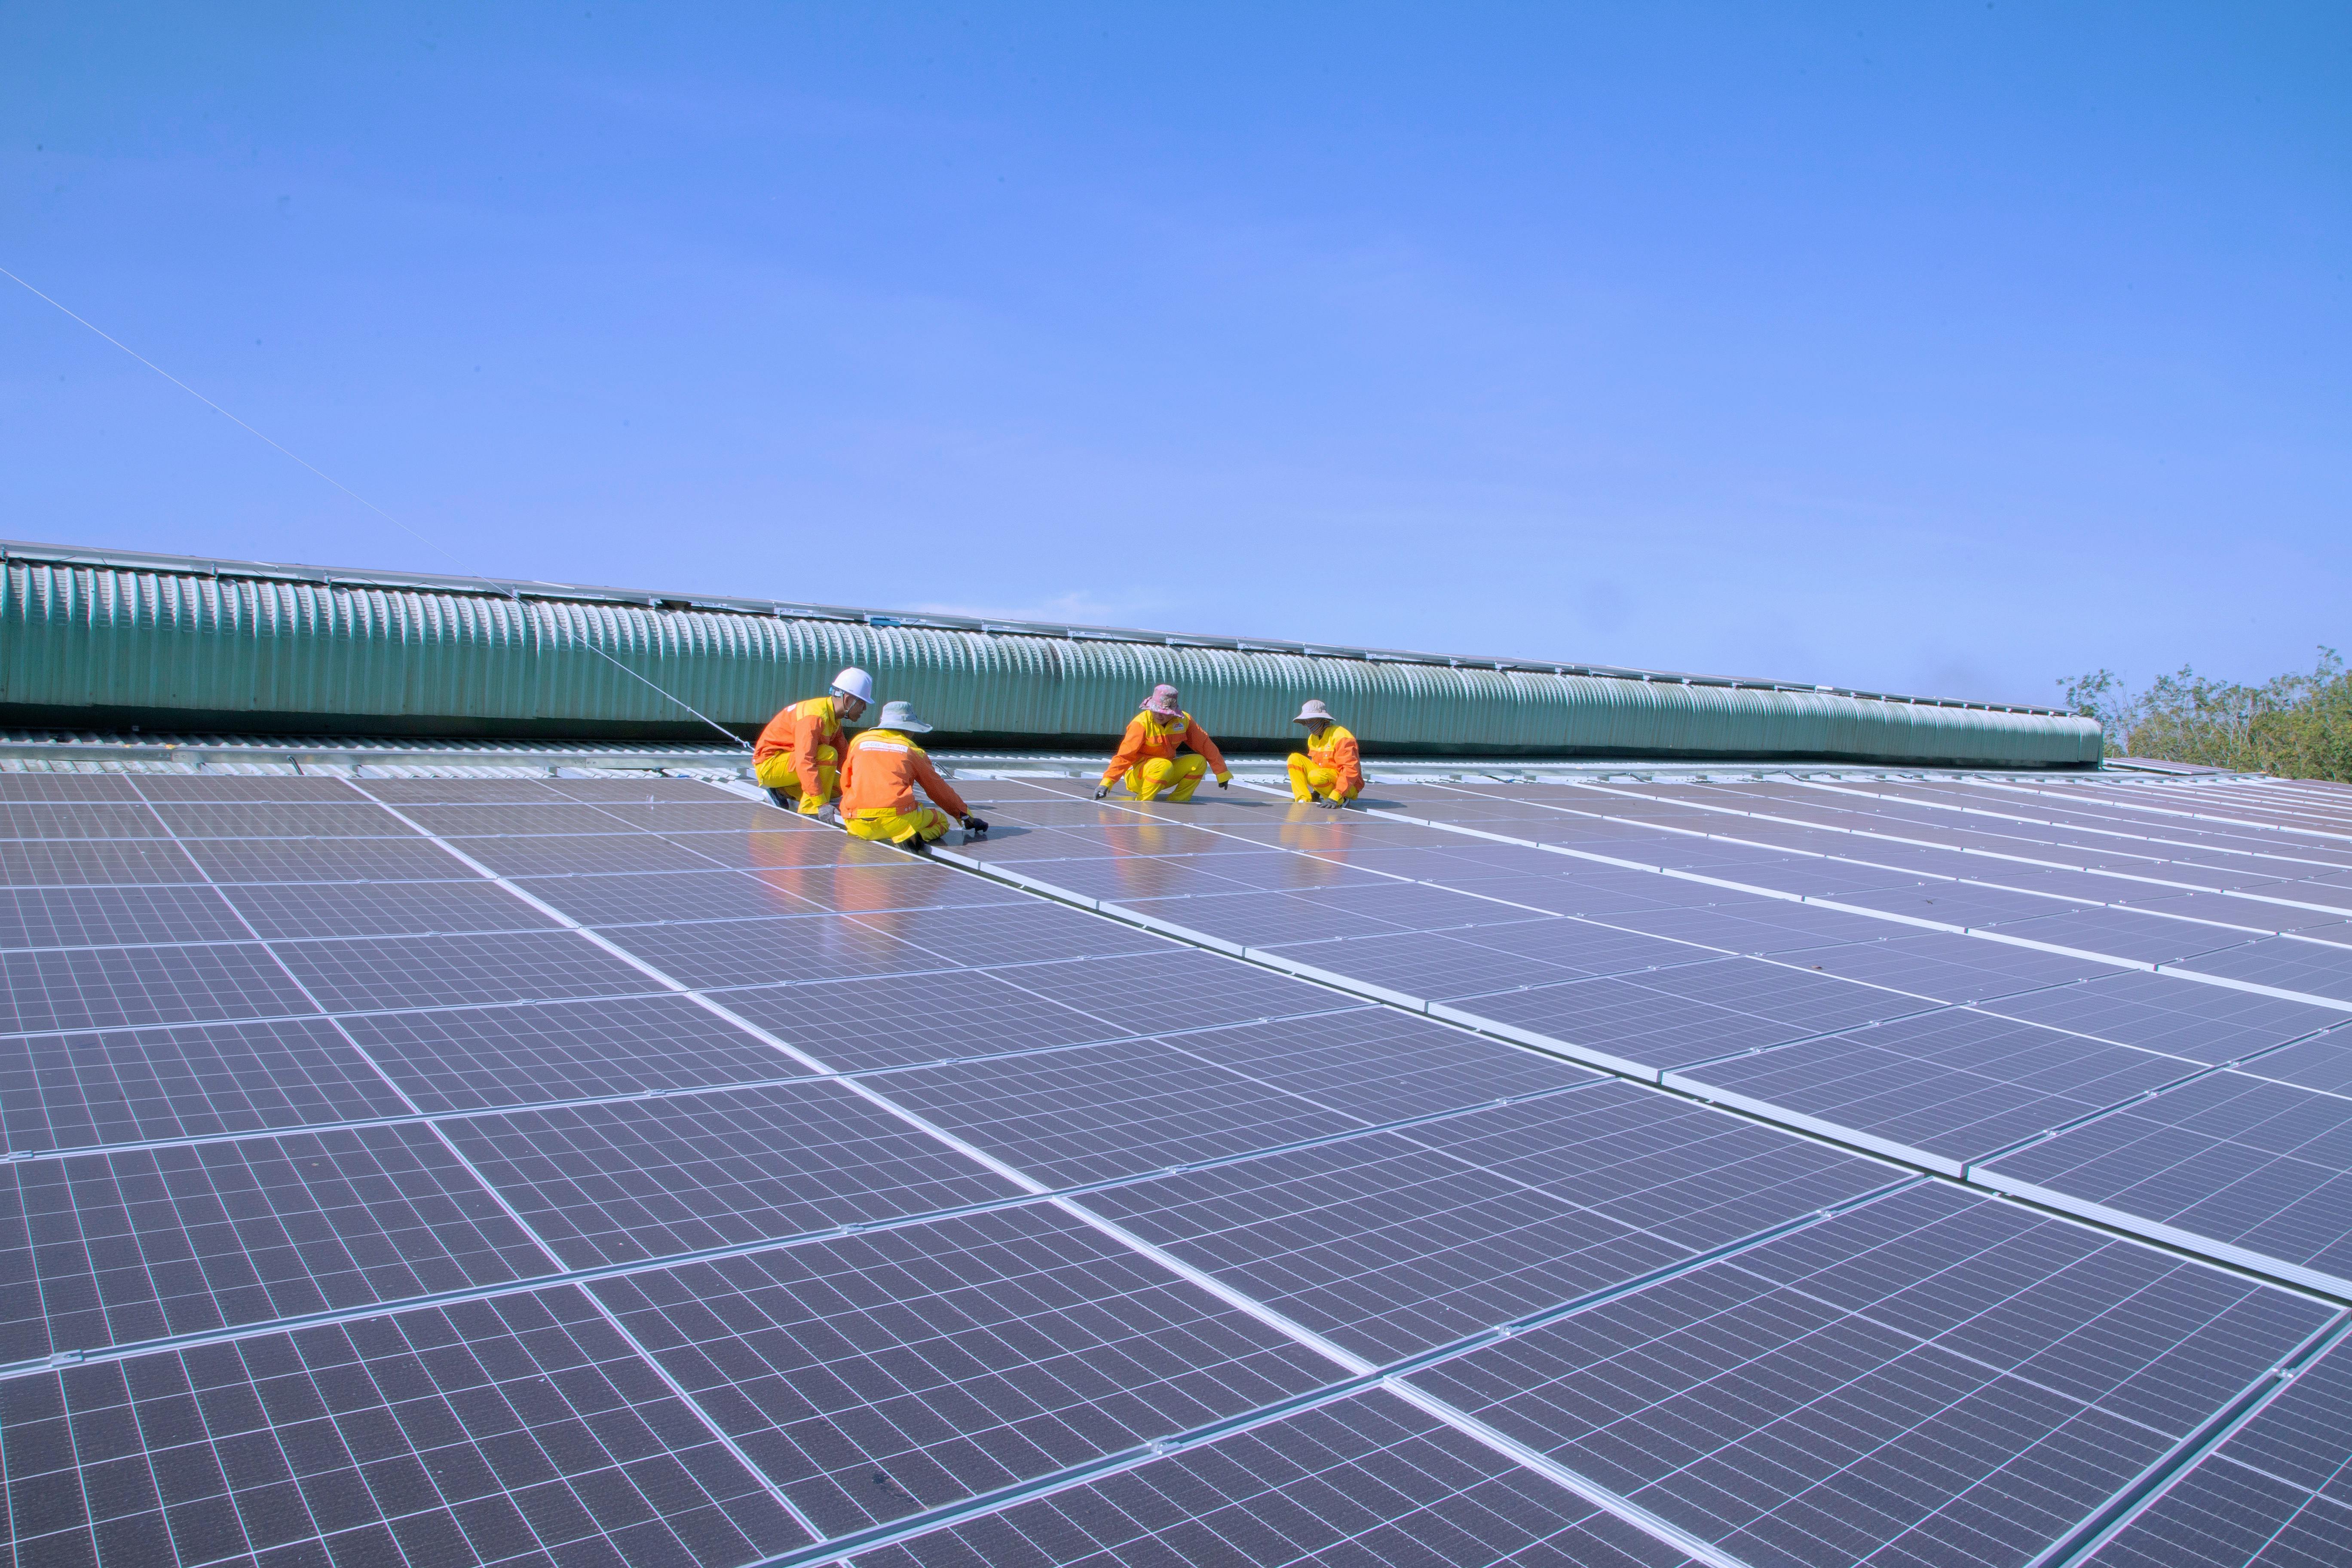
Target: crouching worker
x,y
878,786
1147,755
798,758
1331,772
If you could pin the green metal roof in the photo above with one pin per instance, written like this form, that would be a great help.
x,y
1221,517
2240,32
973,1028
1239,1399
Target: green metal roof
x,y
108,638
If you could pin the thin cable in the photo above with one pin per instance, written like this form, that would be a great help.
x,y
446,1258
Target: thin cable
x,y
434,545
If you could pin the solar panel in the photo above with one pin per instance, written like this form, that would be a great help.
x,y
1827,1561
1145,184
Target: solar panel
x,y
1370,1480
1881,1383
2276,1493
875,1377
486,1430
1337,1270
135,1244
471,1058
72,1090
623,1182
2228,1161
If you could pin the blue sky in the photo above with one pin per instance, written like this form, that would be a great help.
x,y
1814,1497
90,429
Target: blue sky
x,y
1935,347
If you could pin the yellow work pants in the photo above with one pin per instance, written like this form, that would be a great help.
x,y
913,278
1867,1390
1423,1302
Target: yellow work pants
x,y
776,774
1308,781
1147,779
883,824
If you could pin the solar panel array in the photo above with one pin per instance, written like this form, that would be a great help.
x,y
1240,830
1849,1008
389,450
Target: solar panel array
x,y
443,1171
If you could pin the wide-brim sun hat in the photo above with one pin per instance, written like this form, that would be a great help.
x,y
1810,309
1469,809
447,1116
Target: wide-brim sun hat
x,y
1162,700
900,716
1313,710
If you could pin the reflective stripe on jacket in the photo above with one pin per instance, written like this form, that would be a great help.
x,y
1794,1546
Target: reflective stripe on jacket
x,y
1336,748
879,772
1147,737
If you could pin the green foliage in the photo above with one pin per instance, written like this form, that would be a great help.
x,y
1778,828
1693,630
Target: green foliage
x,y
2296,726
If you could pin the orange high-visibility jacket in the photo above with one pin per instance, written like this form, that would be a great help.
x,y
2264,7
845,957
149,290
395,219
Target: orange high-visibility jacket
x,y
801,729
1335,749
1147,737
879,772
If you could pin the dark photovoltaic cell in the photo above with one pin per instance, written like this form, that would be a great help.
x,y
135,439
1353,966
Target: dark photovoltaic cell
x,y
1379,1064
2323,1063
1931,1377
1628,1019
68,1091
79,863
2241,1160
393,972
474,1058
1957,1085
2277,1493
617,855
775,951
876,1375
979,938
324,860
2321,969
113,917
212,788
112,988
2201,1022
1693,1176
104,1249
517,1430
1370,1481
349,818
708,895
621,1183
1093,1112
954,1013
1396,1243
382,909
1173,988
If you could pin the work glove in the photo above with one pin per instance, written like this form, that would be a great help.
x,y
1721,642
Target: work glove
x,y
1102,791
974,827
1330,805
1225,783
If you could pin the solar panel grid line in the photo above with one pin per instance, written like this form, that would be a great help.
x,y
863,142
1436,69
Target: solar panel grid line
x,y
1668,1350
589,1274
629,1338
1591,1491
2270,899
2117,802
1764,1110
1078,1211
1297,967
1980,933
2171,882
2331,1288
2087,828
2150,1488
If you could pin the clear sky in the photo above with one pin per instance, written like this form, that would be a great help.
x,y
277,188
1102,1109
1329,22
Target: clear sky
x,y
1932,347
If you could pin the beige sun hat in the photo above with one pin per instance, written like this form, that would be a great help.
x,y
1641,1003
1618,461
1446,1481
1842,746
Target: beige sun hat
x,y
1314,710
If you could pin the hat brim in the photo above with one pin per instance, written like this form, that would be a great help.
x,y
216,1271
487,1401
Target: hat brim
x,y
912,726
1312,719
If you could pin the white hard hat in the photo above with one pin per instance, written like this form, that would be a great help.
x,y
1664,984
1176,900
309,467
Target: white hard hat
x,y
855,682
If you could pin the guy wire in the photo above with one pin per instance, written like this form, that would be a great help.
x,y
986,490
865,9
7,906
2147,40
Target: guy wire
x,y
509,590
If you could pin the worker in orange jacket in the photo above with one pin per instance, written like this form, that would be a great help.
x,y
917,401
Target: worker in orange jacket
x,y
878,786
797,759
1331,771
1147,755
